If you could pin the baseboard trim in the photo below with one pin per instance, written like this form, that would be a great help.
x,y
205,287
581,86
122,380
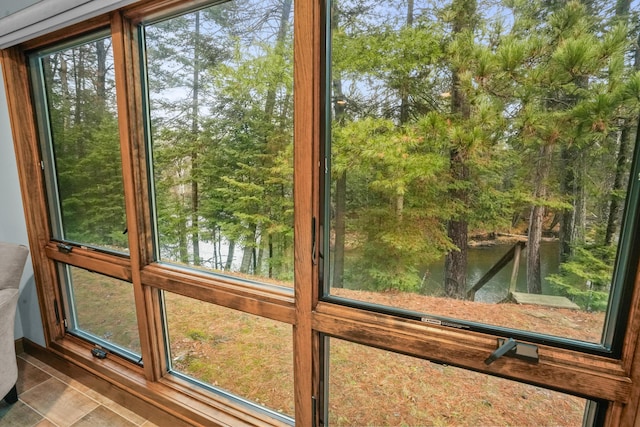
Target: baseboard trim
x,y
107,389
19,344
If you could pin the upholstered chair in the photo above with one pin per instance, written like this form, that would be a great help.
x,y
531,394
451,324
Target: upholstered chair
x,y
12,260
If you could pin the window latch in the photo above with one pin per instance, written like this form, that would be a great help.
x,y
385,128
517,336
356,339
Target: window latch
x,y
513,348
65,249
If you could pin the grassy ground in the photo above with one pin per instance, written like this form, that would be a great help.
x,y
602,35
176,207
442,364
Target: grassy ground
x,y
252,357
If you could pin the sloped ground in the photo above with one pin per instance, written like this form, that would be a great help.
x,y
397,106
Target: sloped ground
x,y
575,324
369,387
252,357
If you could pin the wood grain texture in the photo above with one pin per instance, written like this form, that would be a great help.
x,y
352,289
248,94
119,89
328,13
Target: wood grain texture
x,y
307,133
559,369
88,259
94,24
222,291
571,372
25,141
150,344
149,10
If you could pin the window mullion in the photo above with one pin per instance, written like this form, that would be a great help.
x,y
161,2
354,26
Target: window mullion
x,y
147,307
307,134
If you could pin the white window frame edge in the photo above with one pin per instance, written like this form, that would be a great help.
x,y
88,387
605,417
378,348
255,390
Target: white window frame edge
x,y
50,15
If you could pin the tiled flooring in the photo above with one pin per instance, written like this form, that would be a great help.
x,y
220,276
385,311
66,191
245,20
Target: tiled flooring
x,y
50,398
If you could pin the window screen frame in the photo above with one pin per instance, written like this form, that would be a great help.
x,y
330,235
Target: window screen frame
x,y
625,269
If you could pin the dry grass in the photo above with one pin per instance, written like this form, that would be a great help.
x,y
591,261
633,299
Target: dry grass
x,y
252,357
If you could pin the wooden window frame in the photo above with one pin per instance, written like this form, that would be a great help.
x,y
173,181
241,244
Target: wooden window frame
x,y
612,380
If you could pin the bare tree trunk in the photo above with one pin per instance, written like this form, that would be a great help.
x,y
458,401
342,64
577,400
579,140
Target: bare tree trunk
x,y
195,220
534,276
101,57
624,141
624,137
567,220
182,241
282,33
270,102
249,251
229,263
340,229
341,182
404,85
455,274
64,84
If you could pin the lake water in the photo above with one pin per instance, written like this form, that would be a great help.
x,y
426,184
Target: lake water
x,y
481,259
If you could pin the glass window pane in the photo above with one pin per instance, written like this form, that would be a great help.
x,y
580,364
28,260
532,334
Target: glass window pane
x,y
372,387
220,116
239,353
482,155
79,130
102,309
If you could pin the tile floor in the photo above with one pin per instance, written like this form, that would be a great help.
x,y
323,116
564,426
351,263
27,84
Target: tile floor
x,y
50,398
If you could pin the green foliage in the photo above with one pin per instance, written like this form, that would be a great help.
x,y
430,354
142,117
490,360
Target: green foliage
x,y
223,169
441,114
398,169
586,277
86,146
548,82
197,335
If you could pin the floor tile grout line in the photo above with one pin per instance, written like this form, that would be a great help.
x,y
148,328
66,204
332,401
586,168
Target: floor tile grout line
x,y
44,417
68,384
41,370
77,390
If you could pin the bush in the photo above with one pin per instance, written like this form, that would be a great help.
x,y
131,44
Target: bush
x,y
585,278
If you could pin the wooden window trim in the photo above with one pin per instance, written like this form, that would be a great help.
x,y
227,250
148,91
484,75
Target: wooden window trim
x,y
591,376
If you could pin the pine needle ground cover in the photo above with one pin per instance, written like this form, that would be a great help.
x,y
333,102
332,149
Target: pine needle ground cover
x,y
252,357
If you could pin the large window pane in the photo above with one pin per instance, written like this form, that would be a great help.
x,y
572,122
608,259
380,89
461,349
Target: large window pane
x,y
246,355
102,309
79,134
467,141
371,387
220,116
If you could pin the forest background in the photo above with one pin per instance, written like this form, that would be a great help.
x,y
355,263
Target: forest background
x,y
448,120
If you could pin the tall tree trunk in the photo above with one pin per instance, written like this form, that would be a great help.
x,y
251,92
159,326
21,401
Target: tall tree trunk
x,y
455,274
624,142
101,77
567,220
624,137
534,276
340,195
280,39
270,102
182,241
404,85
340,229
195,223
229,263
64,84
249,251
455,265
573,220
270,256
214,239
405,109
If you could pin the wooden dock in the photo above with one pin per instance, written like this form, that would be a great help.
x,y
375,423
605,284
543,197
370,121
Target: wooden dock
x,y
546,300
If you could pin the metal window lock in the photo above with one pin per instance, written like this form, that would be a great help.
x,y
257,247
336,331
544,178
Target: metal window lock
x,y
99,353
512,348
65,249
